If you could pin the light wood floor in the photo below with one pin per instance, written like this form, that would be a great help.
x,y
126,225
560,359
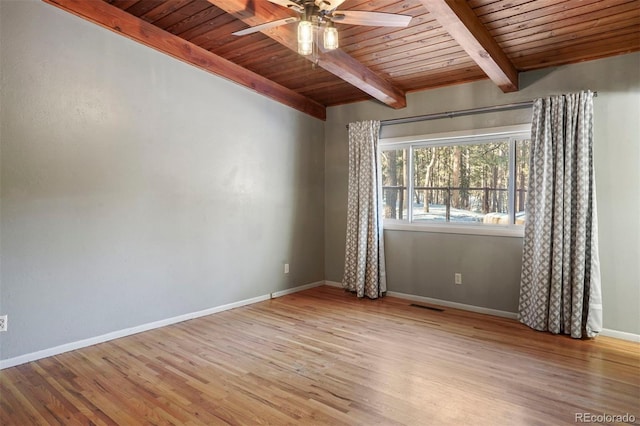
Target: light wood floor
x,y
324,357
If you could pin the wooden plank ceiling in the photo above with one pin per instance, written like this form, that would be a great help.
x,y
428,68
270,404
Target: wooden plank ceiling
x,y
447,42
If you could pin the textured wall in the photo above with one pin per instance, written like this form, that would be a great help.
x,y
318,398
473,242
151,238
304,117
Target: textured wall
x,y
423,263
136,188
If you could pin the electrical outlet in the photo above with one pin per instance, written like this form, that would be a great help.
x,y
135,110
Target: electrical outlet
x,y
3,322
457,278
286,268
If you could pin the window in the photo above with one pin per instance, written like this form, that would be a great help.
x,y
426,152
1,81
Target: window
x,y
474,179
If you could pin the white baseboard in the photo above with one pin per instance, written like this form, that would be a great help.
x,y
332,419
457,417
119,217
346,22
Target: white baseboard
x,y
620,335
33,356
296,289
455,305
512,315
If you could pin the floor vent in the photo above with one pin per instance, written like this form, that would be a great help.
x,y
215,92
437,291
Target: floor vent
x,y
427,307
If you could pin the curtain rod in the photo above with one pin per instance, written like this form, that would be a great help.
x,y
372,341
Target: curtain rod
x,y
452,114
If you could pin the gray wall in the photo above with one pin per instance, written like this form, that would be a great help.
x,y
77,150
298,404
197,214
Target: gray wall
x,y
423,263
136,188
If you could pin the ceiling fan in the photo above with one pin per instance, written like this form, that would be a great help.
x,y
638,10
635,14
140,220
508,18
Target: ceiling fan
x,y
314,14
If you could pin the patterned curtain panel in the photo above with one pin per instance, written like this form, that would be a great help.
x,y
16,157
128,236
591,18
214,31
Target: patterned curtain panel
x,y
364,268
560,286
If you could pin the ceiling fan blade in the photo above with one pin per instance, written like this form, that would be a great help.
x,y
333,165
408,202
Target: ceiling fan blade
x,y
289,5
266,26
374,19
328,4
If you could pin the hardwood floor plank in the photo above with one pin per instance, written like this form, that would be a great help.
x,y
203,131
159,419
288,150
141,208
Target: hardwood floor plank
x,y
324,357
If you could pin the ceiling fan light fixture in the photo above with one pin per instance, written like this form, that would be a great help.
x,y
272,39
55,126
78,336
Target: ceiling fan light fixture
x,y
330,37
305,38
320,15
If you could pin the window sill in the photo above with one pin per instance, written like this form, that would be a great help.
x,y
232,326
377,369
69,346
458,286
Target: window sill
x,y
490,230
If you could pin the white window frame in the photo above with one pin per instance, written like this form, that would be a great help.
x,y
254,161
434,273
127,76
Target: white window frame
x,y
513,133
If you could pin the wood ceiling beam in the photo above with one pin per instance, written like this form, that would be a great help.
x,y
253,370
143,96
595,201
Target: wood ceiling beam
x,y
337,62
123,23
461,22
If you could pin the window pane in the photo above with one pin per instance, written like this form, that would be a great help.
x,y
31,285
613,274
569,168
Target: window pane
x,y
394,188
462,184
458,180
522,178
